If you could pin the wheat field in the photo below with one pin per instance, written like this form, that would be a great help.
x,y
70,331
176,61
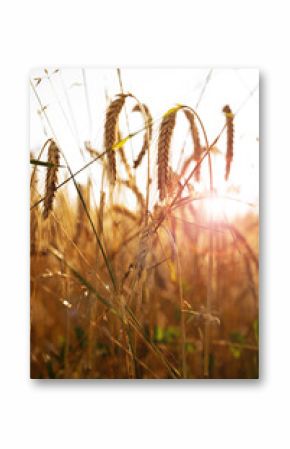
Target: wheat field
x,y
142,266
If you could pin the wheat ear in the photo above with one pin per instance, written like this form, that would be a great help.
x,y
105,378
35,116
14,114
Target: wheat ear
x,y
147,135
34,212
51,178
111,133
197,149
230,139
164,140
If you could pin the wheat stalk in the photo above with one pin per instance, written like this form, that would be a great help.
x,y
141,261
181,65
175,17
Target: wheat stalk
x,y
51,178
123,157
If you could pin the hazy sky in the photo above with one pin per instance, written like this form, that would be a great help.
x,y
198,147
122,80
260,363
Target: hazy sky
x,y
75,120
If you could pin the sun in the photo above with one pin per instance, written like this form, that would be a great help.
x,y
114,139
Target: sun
x,y
219,208
228,199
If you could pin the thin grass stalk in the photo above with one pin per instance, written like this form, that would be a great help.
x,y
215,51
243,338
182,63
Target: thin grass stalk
x,y
125,108
209,297
182,307
72,130
87,102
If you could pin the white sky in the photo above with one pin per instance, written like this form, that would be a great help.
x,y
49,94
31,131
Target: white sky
x,y
74,121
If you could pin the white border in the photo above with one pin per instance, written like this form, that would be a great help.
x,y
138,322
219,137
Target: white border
x,y
221,414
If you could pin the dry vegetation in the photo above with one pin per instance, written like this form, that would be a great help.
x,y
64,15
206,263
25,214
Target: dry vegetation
x,y
169,292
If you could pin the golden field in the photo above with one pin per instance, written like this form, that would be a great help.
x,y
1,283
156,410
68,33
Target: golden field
x,y
162,286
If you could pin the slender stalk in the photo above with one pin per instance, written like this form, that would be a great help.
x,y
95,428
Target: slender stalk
x,y
87,102
72,130
209,297
183,329
125,108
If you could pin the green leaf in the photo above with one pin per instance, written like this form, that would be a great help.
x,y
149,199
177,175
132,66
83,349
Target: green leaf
x,y
171,334
158,334
237,337
236,352
190,348
121,143
256,330
81,337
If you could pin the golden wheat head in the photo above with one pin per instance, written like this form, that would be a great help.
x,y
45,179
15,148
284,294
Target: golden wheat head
x,y
197,149
51,178
111,133
230,139
164,140
147,135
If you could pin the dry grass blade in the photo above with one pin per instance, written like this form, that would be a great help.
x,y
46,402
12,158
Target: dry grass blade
x,y
164,140
230,139
51,178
